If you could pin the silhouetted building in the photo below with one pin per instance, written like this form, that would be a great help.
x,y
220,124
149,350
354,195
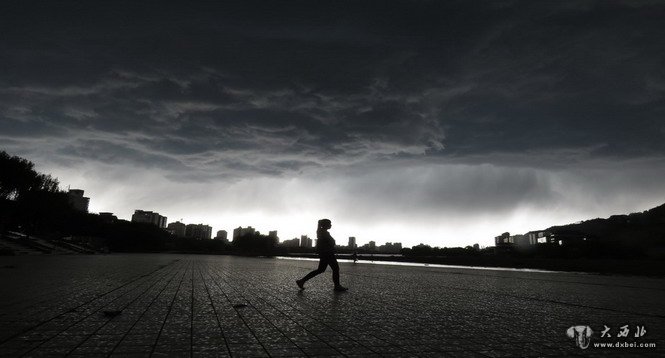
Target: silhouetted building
x,y
198,231
390,248
519,240
569,238
539,237
142,216
240,231
503,244
108,218
370,246
305,241
77,200
177,229
508,243
476,247
295,242
352,242
222,235
502,239
273,234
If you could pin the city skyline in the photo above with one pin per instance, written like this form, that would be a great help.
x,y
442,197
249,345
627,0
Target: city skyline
x,y
443,123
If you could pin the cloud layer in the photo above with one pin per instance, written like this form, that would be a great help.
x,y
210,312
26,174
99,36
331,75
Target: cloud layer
x,y
429,109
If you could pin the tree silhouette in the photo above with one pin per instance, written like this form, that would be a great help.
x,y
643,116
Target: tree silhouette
x,y
255,244
18,176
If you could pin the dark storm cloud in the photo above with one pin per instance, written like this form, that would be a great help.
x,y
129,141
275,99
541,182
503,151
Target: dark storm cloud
x,y
270,88
438,191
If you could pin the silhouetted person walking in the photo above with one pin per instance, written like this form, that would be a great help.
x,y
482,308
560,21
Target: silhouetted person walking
x,y
325,246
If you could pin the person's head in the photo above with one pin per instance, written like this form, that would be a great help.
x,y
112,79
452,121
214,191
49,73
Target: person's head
x,y
324,224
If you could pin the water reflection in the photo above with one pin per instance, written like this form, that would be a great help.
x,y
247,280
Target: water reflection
x,y
416,264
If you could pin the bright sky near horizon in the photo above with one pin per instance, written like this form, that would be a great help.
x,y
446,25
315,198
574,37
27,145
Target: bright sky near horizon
x,y
409,121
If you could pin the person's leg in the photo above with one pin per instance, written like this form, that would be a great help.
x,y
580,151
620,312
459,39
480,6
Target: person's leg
x,y
321,269
335,269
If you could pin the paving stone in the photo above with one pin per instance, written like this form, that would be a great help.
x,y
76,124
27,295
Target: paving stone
x,y
223,306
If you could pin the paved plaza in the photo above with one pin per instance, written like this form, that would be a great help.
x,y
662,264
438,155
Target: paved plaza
x,y
220,306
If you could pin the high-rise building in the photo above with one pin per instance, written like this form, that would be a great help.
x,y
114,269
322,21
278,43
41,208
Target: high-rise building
x,y
242,231
198,231
77,200
352,242
273,234
177,228
108,217
222,235
305,241
149,217
190,230
372,245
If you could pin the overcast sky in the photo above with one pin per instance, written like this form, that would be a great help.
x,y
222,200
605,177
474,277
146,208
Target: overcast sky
x,y
439,122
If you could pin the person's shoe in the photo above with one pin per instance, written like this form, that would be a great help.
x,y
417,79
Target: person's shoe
x,y
300,284
341,288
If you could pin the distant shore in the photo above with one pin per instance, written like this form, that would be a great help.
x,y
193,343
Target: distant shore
x,y
606,266
638,267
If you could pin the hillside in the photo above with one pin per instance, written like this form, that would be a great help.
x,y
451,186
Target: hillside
x,y
643,230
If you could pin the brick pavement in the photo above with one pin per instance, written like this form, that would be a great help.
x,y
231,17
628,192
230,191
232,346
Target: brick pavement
x,y
220,306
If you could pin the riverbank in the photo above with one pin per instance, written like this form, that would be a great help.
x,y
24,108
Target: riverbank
x,y
638,267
